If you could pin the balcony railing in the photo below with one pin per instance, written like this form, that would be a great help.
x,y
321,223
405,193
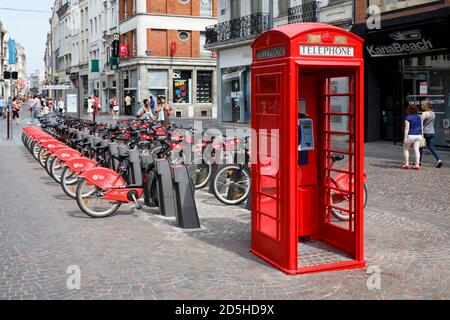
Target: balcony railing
x,y
241,28
306,12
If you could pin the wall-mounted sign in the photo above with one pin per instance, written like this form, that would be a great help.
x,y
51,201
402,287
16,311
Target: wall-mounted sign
x,y
124,50
405,41
72,103
271,53
335,51
446,123
56,87
423,88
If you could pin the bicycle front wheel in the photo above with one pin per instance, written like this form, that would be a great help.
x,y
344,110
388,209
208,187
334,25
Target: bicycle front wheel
x,y
200,174
69,182
232,184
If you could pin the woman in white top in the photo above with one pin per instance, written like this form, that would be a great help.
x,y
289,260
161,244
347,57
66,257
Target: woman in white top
x,y
61,106
90,109
145,112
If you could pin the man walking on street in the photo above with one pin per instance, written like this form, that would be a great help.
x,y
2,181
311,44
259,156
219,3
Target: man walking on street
x,y
35,106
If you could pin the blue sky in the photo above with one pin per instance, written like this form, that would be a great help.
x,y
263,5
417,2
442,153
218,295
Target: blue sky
x,y
28,28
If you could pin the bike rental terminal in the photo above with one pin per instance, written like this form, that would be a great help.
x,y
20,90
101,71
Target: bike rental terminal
x,y
308,201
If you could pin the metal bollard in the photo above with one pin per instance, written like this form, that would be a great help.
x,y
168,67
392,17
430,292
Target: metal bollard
x,y
214,169
114,151
166,192
135,161
187,214
248,204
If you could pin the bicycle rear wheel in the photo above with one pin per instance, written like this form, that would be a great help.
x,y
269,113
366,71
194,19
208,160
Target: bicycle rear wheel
x,y
232,184
91,201
341,200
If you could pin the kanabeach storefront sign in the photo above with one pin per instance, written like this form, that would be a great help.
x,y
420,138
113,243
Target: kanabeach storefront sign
x,y
407,40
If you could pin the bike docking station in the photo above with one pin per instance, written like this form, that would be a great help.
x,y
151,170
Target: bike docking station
x,y
174,194
308,98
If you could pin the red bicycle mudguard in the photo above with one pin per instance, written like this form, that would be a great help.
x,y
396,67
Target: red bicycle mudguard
x,y
103,178
123,195
52,144
80,164
56,148
67,154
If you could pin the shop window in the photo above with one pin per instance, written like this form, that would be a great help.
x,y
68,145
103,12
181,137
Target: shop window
x,y
158,83
204,86
182,83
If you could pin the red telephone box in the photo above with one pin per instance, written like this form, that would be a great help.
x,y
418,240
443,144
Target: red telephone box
x,y
308,180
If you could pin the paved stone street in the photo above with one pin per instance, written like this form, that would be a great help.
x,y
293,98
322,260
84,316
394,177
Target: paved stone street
x,y
137,255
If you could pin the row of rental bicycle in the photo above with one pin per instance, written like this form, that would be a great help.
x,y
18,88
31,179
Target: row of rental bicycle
x,y
103,166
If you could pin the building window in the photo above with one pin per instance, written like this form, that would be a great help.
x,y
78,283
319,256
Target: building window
x,y
206,9
158,83
283,8
393,5
183,35
204,87
182,83
184,1
204,53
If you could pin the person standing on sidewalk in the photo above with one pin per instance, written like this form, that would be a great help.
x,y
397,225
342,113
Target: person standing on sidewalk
x,y
146,112
2,107
61,106
428,117
90,109
164,112
413,136
128,103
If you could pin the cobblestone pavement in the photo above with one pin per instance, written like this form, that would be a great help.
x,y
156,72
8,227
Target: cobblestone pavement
x,y
137,255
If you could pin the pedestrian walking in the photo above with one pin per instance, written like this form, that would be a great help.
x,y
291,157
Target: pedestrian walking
x,y
413,136
114,108
35,107
164,112
16,110
428,117
146,112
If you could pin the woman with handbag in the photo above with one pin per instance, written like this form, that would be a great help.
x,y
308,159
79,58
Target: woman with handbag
x,y
428,117
413,136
